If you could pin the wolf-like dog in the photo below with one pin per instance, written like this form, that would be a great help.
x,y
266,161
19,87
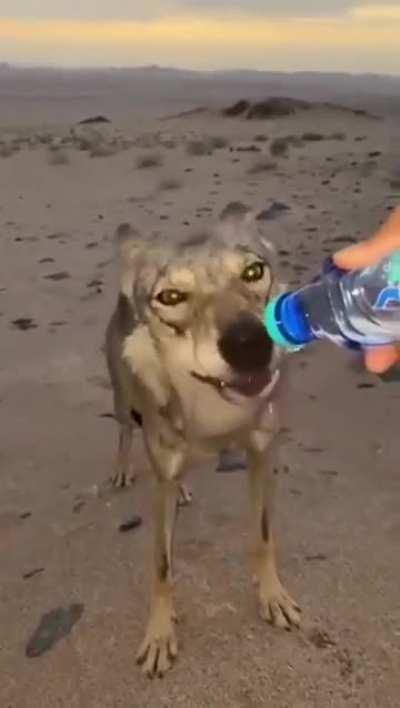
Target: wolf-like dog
x,y
191,362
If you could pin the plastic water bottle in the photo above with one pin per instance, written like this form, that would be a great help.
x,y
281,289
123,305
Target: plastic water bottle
x,y
354,309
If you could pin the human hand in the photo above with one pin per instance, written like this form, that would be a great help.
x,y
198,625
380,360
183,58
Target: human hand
x,y
362,255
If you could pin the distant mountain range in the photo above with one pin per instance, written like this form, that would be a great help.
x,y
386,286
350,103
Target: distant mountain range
x,y
165,88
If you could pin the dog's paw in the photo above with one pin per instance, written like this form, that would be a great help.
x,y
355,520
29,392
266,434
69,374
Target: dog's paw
x,y
159,648
278,608
185,495
120,479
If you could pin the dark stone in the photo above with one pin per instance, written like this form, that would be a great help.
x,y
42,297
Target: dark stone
x,y
32,573
53,627
24,323
79,504
94,119
25,515
95,283
248,148
131,524
61,275
273,212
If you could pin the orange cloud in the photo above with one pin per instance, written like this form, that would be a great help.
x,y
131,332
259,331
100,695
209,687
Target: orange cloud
x,y
235,40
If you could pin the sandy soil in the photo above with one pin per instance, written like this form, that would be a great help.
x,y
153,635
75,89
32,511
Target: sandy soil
x,y
337,513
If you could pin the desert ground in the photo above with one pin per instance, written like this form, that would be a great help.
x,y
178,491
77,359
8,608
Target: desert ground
x,y
65,564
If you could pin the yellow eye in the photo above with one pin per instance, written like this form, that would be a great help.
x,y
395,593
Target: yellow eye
x,y
253,272
170,298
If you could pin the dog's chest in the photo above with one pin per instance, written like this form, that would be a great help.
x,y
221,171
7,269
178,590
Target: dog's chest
x,y
203,416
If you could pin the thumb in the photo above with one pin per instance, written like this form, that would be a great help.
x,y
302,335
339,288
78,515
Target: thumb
x,y
367,253
380,359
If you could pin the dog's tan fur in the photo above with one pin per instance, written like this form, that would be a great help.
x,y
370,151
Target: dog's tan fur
x,y
157,355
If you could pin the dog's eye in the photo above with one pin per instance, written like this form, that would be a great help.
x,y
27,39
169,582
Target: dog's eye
x,y
253,272
170,298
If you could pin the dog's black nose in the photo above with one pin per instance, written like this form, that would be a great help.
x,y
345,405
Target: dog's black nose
x,y
245,344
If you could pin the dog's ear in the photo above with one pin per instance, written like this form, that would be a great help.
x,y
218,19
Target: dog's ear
x,y
267,250
130,249
237,224
236,213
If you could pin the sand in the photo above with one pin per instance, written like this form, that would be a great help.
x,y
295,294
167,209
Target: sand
x,y
337,512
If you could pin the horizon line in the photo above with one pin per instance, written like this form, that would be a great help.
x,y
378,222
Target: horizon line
x,y
5,65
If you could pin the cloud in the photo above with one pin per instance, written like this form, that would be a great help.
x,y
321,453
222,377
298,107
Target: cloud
x,y
344,43
330,35
134,10
376,12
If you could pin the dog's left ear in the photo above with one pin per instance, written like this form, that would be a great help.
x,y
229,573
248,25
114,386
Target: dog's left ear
x,y
237,223
129,247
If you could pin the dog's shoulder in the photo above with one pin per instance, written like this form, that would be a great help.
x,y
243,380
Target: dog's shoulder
x,y
141,355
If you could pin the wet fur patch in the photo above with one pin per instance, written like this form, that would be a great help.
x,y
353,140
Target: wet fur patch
x,y
126,315
164,567
265,526
137,418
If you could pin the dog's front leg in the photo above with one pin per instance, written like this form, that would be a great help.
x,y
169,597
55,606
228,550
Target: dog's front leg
x,y
276,605
123,474
159,647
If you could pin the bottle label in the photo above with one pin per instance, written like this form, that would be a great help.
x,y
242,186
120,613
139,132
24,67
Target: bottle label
x,y
389,297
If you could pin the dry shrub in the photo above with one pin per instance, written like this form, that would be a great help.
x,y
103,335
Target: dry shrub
x,y
262,166
103,150
6,150
237,109
148,160
218,142
311,137
169,184
279,147
58,157
198,148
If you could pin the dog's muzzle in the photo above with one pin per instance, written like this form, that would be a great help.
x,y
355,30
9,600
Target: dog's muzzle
x,y
247,349
245,344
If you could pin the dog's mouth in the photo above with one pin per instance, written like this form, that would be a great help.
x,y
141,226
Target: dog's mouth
x,y
249,384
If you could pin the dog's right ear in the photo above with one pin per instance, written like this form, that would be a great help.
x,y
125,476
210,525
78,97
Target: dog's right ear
x,y
130,249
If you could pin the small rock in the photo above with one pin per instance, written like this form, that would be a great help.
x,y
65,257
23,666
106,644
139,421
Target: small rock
x,y
273,212
61,275
53,627
32,573
24,323
93,120
131,524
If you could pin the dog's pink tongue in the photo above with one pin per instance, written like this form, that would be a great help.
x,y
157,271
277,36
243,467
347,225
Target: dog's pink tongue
x,y
252,384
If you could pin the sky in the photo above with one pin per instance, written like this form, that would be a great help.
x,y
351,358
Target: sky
x,y
289,35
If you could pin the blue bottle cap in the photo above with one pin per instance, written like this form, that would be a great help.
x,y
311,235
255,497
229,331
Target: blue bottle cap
x,y
286,322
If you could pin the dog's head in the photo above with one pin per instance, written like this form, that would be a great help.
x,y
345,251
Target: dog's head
x,y
202,301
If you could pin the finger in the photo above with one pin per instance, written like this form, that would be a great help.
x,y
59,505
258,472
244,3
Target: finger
x,y
382,358
372,251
